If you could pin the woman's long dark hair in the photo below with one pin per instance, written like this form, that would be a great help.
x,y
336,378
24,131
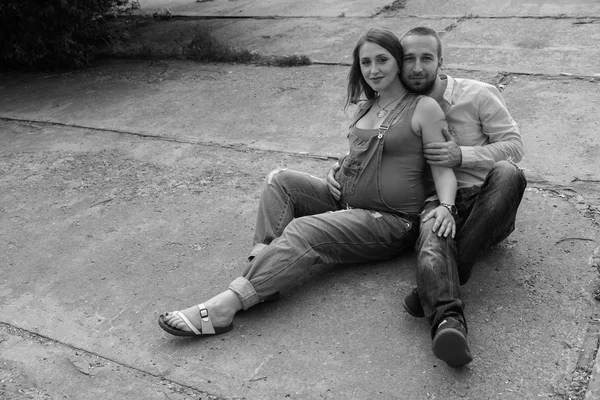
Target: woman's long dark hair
x,y
356,83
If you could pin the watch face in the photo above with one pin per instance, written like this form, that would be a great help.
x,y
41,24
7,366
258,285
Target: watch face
x,y
452,208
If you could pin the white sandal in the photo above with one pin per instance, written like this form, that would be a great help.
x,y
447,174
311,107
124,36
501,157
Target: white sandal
x,y
207,327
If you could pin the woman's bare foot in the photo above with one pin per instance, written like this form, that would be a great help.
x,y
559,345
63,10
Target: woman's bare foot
x,y
221,310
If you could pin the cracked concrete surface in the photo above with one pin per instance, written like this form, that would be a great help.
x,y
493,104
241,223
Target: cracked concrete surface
x,y
130,188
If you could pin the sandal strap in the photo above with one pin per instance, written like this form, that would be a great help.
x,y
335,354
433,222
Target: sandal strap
x,y
188,323
207,326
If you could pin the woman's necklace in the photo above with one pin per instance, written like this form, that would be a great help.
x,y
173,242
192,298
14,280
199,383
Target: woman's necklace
x,y
382,110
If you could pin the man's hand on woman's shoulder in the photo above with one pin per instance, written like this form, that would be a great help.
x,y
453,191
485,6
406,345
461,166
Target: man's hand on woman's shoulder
x,y
445,154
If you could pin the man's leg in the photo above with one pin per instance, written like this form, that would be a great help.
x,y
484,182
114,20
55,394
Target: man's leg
x,y
345,236
285,195
488,214
494,205
439,294
437,274
486,217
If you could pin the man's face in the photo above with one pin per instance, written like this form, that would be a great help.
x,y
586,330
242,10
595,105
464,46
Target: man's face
x,y
421,63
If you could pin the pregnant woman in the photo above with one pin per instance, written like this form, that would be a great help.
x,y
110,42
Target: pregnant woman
x,y
301,222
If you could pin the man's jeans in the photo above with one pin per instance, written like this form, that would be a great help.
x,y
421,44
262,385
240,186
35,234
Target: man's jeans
x,y
486,216
300,224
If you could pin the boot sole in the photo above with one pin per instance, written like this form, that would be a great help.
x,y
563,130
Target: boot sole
x,y
450,346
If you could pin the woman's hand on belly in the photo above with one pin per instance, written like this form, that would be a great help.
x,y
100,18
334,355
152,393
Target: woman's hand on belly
x,y
332,184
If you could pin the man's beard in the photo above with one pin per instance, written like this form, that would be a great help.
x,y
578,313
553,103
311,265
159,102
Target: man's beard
x,y
424,89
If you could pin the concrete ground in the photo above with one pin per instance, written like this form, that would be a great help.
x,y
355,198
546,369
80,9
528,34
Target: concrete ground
x,y
130,188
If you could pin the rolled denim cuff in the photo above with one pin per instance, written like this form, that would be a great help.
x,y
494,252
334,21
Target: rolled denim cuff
x,y
245,291
255,250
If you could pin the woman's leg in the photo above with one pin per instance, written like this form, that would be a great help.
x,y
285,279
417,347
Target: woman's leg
x,y
340,237
285,195
345,236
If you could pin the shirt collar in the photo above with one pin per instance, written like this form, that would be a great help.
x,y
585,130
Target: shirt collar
x,y
449,87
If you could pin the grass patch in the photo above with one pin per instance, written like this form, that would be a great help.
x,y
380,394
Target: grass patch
x,y
203,47
295,60
144,50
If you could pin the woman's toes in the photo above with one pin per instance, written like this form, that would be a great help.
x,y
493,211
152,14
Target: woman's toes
x,y
172,319
179,325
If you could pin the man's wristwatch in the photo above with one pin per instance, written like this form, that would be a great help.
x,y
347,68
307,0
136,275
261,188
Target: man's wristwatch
x,y
451,208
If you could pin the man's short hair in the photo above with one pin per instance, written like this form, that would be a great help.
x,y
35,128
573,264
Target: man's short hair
x,y
424,31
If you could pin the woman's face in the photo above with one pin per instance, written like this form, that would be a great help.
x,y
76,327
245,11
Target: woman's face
x,y
378,66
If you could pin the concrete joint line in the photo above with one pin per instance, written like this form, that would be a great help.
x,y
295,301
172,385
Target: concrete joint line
x,y
589,348
465,17
562,75
581,379
461,17
238,148
177,17
567,193
27,334
562,191
458,67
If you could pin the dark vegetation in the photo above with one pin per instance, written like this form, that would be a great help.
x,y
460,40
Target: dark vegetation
x,y
50,34
69,34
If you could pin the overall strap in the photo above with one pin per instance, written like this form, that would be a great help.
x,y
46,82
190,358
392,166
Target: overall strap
x,y
362,110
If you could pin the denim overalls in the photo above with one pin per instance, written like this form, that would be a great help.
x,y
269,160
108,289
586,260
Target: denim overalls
x,y
361,169
300,224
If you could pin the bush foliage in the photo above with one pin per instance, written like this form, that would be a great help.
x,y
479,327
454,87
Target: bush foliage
x,y
65,34
51,34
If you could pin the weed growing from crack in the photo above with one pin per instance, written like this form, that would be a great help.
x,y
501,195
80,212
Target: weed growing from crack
x,y
454,25
395,5
577,388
